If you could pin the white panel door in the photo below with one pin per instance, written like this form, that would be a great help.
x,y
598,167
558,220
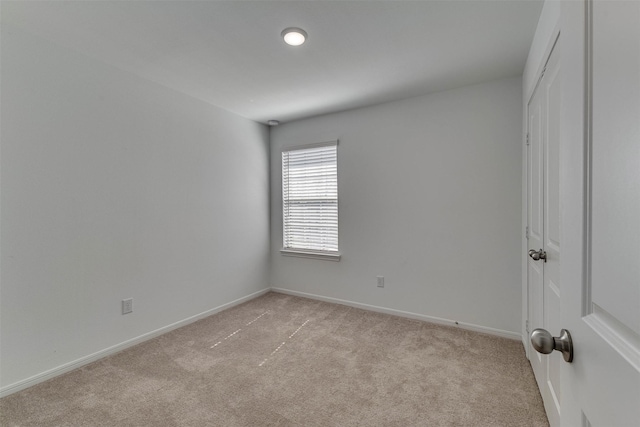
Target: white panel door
x,y
544,226
601,215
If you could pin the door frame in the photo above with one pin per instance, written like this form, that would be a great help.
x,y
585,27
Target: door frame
x,y
550,44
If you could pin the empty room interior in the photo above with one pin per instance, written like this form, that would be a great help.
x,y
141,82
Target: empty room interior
x,y
320,213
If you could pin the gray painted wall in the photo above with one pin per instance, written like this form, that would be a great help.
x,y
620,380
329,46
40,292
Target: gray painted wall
x,y
429,198
114,187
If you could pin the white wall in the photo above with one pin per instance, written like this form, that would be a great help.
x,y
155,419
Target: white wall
x,y
114,187
430,192
543,40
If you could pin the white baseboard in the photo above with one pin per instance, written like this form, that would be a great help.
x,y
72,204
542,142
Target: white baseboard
x,y
67,367
62,369
409,315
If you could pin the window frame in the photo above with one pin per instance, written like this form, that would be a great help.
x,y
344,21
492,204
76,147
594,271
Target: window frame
x,y
301,252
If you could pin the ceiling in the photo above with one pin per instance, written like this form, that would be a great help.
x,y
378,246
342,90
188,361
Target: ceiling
x,y
230,53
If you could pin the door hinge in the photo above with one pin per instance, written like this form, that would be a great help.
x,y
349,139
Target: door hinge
x,y
526,326
527,142
526,232
544,70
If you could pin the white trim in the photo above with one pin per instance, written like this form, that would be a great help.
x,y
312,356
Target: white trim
x,y
310,201
543,65
529,92
440,321
333,143
554,35
67,367
326,256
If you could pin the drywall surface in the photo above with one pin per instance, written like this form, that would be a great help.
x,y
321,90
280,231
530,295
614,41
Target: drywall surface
x,y
114,187
429,198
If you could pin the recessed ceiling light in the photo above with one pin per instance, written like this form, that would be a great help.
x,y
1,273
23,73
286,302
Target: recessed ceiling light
x,y
294,36
273,123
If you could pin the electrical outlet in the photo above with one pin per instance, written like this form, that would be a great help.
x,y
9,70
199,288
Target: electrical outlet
x,y
380,281
127,306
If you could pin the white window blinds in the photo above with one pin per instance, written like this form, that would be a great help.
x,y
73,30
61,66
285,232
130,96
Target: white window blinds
x,y
310,197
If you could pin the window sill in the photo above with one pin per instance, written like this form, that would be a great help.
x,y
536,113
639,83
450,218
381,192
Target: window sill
x,y
327,256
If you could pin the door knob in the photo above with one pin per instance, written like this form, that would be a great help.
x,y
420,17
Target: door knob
x,y
544,343
538,255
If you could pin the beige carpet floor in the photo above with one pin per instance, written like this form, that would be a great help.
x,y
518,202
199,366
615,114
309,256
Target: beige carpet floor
x,y
280,360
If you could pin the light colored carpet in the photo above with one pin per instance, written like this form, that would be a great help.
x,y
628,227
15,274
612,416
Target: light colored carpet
x,y
280,360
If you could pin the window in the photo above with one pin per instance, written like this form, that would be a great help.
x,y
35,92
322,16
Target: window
x,y
310,201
